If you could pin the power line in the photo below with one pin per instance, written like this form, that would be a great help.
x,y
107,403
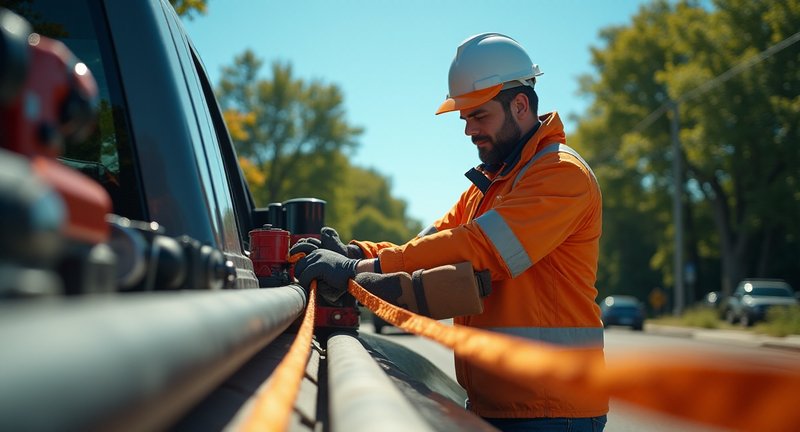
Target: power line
x,y
719,79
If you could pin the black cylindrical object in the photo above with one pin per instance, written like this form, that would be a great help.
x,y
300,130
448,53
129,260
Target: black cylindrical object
x,y
104,362
304,215
276,216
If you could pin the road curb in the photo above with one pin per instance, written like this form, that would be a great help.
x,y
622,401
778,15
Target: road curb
x,y
736,337
665,330
788,347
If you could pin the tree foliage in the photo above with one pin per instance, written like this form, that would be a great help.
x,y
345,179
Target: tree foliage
x,y
293,139
279,122
378,215
739,133
188,8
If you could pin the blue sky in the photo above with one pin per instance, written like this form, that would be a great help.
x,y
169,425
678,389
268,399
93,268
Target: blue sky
x,y
391,60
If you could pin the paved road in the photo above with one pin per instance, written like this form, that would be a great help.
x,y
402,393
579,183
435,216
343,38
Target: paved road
x,y
620,341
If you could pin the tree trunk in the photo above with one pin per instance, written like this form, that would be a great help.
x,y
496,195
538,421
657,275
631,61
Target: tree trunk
x,y
732,246
727,259
765,251
692,255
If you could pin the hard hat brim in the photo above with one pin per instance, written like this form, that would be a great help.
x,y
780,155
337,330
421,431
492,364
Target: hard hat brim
x,y
469,100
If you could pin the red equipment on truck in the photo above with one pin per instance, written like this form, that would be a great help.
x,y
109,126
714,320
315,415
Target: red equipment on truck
x,y
56,227
48,98
289,222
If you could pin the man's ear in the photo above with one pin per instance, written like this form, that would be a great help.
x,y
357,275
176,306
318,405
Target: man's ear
x,y
520,106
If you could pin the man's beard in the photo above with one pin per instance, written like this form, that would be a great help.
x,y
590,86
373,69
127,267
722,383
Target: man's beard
x,y
502,145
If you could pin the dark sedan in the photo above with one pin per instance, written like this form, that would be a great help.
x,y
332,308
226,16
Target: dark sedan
x,y
620,310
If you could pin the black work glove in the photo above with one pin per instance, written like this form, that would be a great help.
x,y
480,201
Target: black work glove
x,y
332,242
305,245
328,266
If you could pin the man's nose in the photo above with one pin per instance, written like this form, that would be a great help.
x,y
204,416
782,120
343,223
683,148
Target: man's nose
x,y
470,129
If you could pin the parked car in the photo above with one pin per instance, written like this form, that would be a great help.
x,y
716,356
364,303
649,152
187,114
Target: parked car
x,y
622,310
754,297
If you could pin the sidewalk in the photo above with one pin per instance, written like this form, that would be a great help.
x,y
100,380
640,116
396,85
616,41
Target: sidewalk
x,y
737,337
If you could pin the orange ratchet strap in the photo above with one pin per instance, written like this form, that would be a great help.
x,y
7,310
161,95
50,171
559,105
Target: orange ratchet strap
x,y
718,391
273,407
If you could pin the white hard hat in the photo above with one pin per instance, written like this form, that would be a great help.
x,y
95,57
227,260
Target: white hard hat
x,y
482,66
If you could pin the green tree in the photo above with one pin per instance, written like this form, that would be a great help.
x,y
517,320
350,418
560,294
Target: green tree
x,y
290,118
634,178
739,138
379,216
293,139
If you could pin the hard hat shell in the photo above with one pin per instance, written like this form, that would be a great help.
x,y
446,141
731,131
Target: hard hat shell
x,y
482,65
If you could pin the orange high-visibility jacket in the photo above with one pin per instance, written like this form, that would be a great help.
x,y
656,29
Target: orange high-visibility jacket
x,y
536,228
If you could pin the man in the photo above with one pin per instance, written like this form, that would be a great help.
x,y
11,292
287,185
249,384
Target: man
x,y
532,218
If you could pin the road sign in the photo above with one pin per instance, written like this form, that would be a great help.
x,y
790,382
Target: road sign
x,y
657,299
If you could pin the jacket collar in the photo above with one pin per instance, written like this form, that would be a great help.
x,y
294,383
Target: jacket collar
x,y
549,130
511,161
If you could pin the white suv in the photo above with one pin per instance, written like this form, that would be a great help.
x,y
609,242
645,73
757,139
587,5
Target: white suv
x,y
753,297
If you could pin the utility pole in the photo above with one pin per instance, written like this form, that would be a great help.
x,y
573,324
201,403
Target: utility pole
x,y
676,149
677,209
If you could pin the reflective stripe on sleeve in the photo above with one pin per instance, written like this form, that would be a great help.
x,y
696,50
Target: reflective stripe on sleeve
x,y
566,336
504,240
428,231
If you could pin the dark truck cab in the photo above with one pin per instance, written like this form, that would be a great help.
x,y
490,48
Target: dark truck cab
x,y
106,359
188,359
163,147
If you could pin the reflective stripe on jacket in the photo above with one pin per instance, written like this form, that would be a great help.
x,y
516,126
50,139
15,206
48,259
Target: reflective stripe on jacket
x,y
537,230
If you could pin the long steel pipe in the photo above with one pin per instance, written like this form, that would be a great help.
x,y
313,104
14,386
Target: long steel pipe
x,y
362,397
132,361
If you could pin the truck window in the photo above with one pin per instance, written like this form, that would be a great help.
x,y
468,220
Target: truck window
x,y
106,156
215,178
242,200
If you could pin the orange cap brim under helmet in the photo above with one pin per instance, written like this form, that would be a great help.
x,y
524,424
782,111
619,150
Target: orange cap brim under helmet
x,y
469,100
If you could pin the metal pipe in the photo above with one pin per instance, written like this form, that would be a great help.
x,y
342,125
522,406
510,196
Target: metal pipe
x,y
362,397
129,361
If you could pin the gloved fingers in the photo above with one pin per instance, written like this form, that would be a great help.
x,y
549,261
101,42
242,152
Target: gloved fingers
x,y
321,271
311,240
305,279
306,246
315,265
328,232
301,266
353,251
326,265
306,273
331,241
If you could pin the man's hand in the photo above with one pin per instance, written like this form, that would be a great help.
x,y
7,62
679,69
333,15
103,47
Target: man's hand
x,y
305,245
328,266
332,242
